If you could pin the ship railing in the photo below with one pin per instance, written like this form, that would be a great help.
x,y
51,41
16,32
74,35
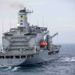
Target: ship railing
x,y
56,47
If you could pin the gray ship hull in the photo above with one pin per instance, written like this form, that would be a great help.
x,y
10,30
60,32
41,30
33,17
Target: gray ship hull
x,y
39,58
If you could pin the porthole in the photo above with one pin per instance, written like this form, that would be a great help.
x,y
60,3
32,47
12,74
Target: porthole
x,y
23,56
11,57
7,57
1,57
17,57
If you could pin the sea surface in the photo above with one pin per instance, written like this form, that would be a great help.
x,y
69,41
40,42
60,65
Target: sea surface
x,y
64,65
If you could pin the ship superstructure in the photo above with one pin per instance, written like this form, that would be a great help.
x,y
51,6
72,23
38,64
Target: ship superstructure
x,y
27,44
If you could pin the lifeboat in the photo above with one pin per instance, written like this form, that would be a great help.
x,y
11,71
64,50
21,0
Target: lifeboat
x,y
43,43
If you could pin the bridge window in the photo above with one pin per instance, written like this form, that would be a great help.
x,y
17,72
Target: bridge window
x,y
21,23
21,20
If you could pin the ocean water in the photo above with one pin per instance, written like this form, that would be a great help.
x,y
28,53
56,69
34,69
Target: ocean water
x,y
64,65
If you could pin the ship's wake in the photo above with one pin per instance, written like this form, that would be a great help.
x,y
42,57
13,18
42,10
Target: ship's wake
x,y
9,68
67,59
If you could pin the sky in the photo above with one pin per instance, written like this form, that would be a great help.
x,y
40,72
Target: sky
x,y
56,15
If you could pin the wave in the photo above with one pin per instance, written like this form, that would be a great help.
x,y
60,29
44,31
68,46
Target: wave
x,y
15,68
67,59
10,68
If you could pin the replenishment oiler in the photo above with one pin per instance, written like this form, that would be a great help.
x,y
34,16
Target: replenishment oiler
x,y
27,44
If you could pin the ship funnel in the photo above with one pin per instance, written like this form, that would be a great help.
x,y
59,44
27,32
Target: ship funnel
x,y
22,18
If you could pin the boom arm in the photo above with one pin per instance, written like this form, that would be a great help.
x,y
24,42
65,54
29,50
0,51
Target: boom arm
x,y
54,35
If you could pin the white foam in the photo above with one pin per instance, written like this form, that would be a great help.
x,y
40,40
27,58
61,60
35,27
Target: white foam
x,y
68,59
15,68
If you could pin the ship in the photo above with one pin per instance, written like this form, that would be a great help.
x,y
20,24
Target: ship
x,y
27,44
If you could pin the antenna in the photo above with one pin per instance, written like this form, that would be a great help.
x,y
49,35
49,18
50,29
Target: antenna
x,y
2,30
2,27
43,22
10,23
37,23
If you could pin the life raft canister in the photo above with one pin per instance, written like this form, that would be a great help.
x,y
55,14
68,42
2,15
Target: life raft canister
x,y
43,43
